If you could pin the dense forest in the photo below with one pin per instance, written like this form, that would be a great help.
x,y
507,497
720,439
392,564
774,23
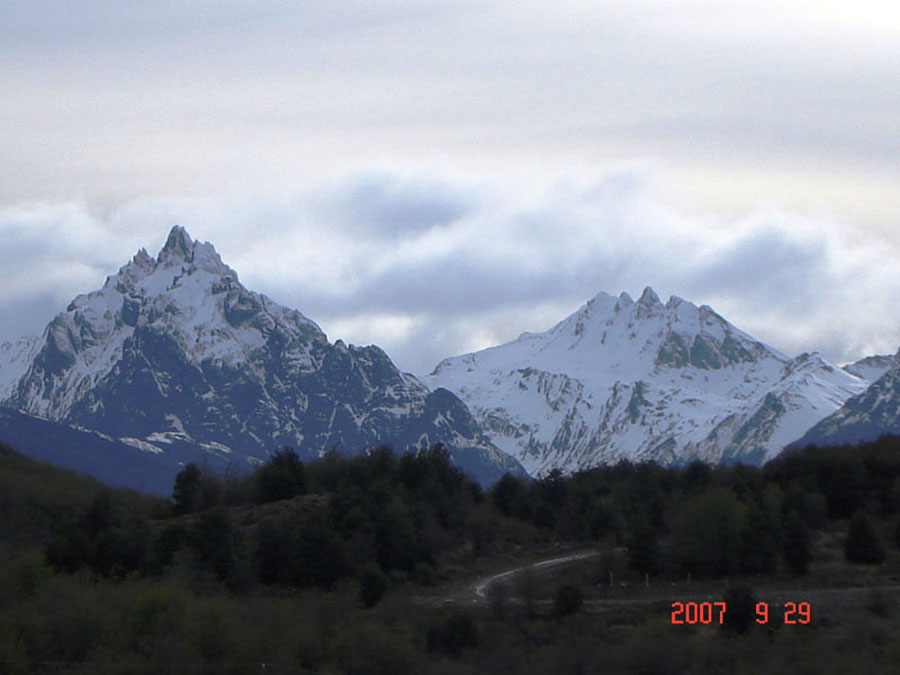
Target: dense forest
x,y
362,565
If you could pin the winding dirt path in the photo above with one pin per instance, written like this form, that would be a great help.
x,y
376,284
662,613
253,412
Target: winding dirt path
x,y
480,587
477,591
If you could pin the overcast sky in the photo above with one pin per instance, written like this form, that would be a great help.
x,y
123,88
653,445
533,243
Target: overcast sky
x,y
437,177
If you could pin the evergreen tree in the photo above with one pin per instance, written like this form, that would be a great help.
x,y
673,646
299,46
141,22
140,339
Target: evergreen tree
x,y
697,475
758,544
796,545
863,544
845,485
509,496
282,477
643,553
186,493
708,531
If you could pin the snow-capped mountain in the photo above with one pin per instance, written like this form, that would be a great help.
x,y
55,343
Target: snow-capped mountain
x,y
175,350
871,367
863,417
642,380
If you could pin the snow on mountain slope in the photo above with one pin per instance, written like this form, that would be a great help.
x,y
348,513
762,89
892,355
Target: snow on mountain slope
x,y
187,296
642,380
14,360
174,349
871,367
864,417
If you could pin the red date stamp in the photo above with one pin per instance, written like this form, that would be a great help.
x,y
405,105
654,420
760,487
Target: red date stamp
x,y
714,612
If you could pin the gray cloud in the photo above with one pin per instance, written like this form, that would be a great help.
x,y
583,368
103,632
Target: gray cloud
x,y
497,202
766,260
128,100
387,204
510,258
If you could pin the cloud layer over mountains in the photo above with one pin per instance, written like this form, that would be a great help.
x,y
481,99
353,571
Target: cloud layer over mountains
x,y
432,264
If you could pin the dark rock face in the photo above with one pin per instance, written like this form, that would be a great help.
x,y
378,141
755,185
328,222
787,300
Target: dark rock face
x,y
705,352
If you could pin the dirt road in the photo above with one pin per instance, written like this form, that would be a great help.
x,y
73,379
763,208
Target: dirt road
x,y
480,587
660,597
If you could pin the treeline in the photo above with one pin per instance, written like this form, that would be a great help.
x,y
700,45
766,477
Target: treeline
x,y
381,516
304,564
372,517
721,521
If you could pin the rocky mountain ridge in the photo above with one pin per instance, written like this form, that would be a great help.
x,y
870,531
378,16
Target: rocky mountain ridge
x,y
174,350
864,417
643,380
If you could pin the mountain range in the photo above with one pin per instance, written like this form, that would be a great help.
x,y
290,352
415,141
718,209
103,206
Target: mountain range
x,y
174,360
643,380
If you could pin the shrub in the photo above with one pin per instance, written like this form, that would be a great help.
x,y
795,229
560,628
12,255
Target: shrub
x,y
211,539
373,584
274,550
423,574
498,598
158,612
453,635
372,649
568,600
526,585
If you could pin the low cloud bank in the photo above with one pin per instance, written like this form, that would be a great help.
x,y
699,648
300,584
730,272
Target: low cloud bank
x,y
430,265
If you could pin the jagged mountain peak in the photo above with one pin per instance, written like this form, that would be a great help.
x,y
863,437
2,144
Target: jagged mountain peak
x,y
630,339
674,301
639,379
173,354
198,255
179,258
178,245
143,259
649,298
186,296
676,334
